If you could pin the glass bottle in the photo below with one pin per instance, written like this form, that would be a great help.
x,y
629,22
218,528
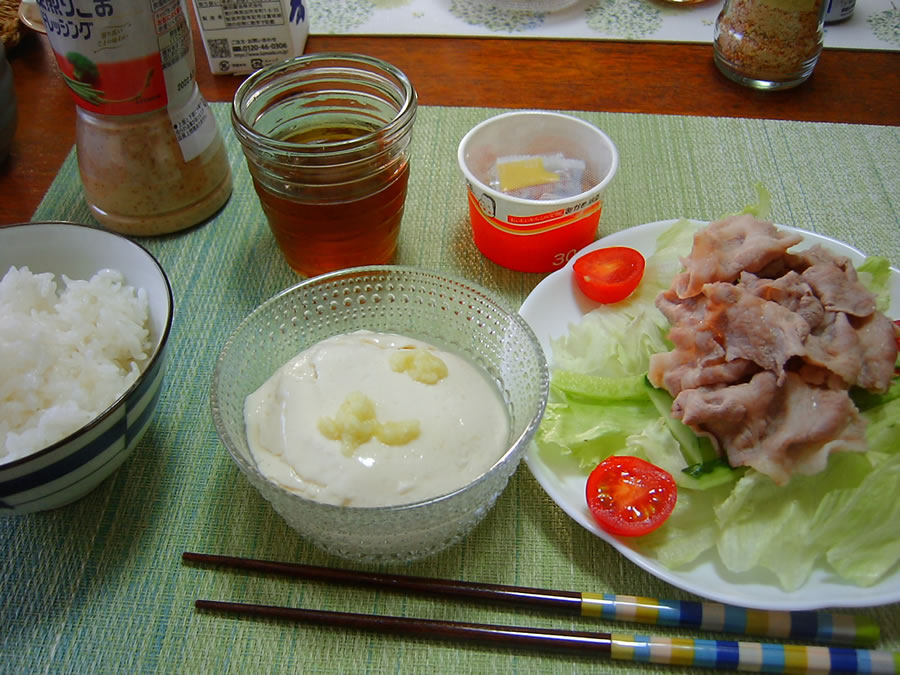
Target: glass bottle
x,y
136,177
769,44
150,155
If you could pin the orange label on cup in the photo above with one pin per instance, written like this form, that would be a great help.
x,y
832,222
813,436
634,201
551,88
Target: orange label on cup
x,y
542,246
537,225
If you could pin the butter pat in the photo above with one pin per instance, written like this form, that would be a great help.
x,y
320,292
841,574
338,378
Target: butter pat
x,y
522,173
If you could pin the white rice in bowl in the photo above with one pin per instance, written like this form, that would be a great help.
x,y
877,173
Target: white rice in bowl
x,y
65,354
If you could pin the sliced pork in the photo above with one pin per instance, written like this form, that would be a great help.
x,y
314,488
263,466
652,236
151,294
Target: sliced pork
x,y
790,291
699,356
754,329
724,249
766,345
835,347
774,429
837,286
879,347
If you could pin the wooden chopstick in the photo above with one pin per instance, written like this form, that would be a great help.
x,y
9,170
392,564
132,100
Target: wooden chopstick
x,y
718,654
823,627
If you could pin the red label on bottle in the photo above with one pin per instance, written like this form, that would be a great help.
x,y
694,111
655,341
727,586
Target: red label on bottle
x,y
121,57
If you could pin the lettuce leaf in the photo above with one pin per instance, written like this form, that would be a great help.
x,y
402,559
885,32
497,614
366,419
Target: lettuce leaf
x,y
883,425
591,432
609,350
772,526
689,532
875,275
858,528
596,345
617,340
845,516
762,209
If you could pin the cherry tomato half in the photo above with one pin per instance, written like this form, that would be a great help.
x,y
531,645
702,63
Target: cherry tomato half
x,y
610,274
630,497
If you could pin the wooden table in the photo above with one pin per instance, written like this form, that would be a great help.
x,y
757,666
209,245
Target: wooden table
x,y
848,86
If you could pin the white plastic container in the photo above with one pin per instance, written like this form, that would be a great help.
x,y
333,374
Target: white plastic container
x,y
540,227
241,38
839,10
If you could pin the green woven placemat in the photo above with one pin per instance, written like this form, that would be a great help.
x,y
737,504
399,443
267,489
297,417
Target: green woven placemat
x,y
98,586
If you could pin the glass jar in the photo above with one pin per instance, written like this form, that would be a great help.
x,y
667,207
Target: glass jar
x,y
769,44
327,141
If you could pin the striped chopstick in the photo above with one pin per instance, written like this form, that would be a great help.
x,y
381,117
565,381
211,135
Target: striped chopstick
x,y
717,654
842,629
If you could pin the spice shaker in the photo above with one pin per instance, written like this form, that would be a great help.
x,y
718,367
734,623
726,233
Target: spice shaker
x,y
769,44
839,10
150,154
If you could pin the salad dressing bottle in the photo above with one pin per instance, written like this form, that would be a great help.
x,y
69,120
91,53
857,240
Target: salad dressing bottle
x,y
150,155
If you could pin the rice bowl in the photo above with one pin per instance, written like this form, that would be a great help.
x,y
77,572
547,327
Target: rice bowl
x,y
111,406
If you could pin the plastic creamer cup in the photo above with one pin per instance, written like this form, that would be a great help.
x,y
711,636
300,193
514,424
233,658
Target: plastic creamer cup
x,y
535,186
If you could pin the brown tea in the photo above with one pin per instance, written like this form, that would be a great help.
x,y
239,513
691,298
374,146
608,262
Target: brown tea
x,y
355,224
328,134
318,238
327,139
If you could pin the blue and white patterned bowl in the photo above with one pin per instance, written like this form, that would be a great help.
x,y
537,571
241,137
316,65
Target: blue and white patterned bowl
x,y
69,469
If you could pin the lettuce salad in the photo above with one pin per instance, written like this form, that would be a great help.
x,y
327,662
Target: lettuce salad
x,y
601,405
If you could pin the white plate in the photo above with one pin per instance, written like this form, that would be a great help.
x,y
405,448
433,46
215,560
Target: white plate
x,y
30,15
552,306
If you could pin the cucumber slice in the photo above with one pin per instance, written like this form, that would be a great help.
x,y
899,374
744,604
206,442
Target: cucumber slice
x,y
704,466
711,474
595,388
697,450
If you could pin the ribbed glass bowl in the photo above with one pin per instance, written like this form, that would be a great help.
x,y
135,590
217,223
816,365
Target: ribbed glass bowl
x,y
452,314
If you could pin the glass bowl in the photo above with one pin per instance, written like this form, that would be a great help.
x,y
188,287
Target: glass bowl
x,y
452,314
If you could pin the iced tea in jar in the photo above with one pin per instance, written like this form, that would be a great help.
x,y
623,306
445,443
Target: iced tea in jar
x,y
327,143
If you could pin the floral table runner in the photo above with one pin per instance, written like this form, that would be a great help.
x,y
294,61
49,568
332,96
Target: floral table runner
x,y
874,24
